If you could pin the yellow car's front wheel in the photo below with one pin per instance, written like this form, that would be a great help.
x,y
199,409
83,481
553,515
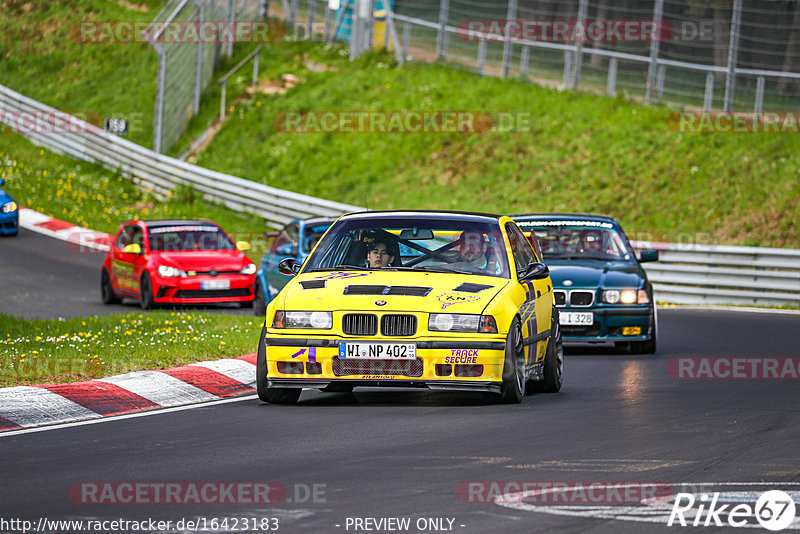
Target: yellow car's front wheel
x,y
265,393
513,388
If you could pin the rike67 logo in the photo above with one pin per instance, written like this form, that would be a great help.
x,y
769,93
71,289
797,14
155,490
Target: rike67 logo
x,y
774,510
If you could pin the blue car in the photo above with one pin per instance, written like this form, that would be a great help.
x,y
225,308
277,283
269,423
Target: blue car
x,y
296,240
601,292
9,213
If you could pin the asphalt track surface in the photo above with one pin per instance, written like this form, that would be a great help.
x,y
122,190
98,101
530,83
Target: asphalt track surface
x,y
405,453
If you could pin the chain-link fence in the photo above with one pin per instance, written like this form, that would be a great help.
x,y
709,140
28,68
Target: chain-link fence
x,y
188,52
713,54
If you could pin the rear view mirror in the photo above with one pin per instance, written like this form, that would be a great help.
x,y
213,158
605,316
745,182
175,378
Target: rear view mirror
x,y
410,234
289,266
534,271
287,250
648,255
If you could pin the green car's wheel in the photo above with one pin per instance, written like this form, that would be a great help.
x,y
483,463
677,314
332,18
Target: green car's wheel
x,y
266,393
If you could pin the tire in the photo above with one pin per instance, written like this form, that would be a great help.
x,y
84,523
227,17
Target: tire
x,y
106,290
513,389
146,293
553,360
266,393
648,346
259,302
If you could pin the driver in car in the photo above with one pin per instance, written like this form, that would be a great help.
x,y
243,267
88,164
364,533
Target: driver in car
x,y
378,255
472,249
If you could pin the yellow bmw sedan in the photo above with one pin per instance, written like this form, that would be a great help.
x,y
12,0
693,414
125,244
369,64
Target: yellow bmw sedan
x,y
420,299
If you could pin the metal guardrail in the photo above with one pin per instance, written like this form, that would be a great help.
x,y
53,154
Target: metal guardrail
x,y
162,173
709,274
686,274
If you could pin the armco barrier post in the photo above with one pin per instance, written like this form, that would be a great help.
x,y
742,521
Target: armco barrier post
x,y
655,47
441,36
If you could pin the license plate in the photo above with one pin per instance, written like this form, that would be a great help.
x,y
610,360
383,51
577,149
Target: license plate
x,y
216,284
575,318
378,351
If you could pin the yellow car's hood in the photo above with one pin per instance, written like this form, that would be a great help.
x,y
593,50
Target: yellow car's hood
x,y
391,290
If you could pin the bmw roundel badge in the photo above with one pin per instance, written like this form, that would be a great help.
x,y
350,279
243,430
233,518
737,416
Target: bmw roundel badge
x,y
380,303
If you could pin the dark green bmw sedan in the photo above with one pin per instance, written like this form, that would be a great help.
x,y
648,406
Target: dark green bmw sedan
x,y
601,291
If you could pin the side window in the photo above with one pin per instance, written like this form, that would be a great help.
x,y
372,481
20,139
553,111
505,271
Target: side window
x,y
131,234
288,236
520,248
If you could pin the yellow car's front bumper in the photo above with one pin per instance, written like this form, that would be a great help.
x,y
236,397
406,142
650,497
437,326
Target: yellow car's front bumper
x,y
439,364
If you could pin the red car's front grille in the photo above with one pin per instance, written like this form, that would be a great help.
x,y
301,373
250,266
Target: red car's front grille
x,y
347,367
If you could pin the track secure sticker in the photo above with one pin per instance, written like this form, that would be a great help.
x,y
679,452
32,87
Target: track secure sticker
x,y
462,356
448,299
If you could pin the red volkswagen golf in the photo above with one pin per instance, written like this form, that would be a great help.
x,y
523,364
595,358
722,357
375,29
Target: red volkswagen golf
x,y
176,262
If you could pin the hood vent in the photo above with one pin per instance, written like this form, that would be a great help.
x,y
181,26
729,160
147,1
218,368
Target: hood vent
x,y
408,291
468,287
313,284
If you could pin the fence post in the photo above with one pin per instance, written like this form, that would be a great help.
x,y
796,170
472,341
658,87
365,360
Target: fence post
x,y
523,61
312,4
295,12
441,36
222,101
567,67
655,48
255,69
577,61
733,55
369,31
508,48
708,98
481,55
327,36
198,64
158,118
406,39
611,84
759,107
660,79
263,9
231,19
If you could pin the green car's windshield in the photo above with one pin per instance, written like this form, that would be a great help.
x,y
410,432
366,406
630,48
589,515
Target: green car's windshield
x,y
597,241
400,243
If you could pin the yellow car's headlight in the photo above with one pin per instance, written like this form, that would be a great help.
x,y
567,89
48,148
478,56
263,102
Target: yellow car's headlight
x,y
459,322
318,320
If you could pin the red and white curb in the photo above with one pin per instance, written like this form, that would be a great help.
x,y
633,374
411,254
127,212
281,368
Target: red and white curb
x,y
76,236
49,404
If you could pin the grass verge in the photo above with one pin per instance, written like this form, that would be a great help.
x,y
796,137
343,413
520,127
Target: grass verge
x,y
58,350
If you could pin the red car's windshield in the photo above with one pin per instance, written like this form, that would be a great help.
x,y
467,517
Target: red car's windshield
x,y
187,238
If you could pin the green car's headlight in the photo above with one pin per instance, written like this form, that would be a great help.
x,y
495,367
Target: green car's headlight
x,y
458,322
318,320
625,296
